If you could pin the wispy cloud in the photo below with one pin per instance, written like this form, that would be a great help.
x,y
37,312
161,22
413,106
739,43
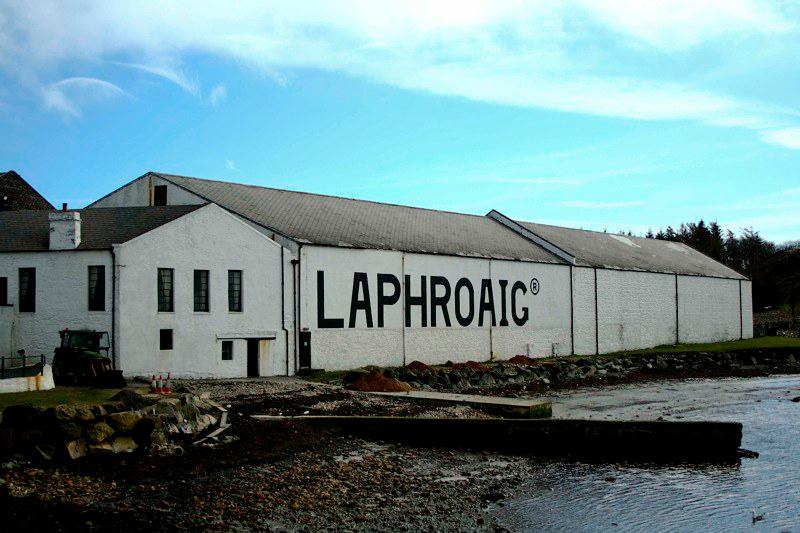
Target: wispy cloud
x,y
788,137
584,56
218,95
532,181
231,164
67,95
599,205
172,75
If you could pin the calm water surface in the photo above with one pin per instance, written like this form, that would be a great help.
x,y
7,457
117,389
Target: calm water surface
x,y
583,497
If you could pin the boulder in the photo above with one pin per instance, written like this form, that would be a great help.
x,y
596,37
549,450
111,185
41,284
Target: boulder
x,y
125,421
75,449
70,431
132,399
99,432
124,444
84,414
102,448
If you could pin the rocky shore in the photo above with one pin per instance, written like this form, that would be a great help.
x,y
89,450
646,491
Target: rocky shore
x,y
289,478
522,375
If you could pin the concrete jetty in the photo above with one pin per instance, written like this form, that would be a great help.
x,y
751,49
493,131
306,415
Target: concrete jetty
x,y
585,439
505,407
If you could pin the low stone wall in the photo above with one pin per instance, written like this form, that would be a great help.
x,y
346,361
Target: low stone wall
x,y
43,381
537,374
129,422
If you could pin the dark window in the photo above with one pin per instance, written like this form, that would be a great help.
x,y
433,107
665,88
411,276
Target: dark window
x,y
227,350
160,195
234,290
27,290
165,339
4,291
97,288
201,290
166,293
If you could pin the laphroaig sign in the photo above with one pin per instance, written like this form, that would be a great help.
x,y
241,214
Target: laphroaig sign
x,y
485,302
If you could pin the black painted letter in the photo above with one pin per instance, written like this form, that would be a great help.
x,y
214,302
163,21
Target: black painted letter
x,y
440,301
503,313
420,300
323,322
356,303
384,299
487,301
518,320
464,320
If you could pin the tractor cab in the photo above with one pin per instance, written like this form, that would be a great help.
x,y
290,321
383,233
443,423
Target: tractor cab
x,y
83,359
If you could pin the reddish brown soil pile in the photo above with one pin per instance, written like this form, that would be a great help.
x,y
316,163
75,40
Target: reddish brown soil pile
x,y
375,381
522,360
469,364
416,366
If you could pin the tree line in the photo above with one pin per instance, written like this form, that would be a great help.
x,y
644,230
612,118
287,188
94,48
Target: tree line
x,y
773,268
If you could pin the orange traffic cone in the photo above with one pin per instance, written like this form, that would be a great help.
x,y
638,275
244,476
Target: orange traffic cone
x,y
153,384
167,384
159,385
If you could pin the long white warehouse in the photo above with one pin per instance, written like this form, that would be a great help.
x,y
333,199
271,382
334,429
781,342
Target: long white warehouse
x,y
250,280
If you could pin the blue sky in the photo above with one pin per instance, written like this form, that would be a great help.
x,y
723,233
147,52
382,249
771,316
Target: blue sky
x,y
602,115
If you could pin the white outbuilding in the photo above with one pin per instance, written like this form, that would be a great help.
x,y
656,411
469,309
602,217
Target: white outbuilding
x,y
251,280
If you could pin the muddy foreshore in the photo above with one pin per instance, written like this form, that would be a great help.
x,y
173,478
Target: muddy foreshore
x,y
257,477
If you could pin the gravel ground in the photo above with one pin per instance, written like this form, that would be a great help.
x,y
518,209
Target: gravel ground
x,y
259,478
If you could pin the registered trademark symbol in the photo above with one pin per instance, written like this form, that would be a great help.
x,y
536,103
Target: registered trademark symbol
x,y
535,286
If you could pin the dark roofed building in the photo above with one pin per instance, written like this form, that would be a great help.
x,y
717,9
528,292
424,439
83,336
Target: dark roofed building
x,y
17,194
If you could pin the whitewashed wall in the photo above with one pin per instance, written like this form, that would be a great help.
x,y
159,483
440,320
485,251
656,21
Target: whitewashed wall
x,y
747,309
635,309
708,309
209,239
394,344
62,299
138,193
584,310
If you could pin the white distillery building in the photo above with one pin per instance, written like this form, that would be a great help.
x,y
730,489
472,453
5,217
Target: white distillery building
x,y
209,278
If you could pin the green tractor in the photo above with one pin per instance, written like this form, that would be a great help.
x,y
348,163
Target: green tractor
x,y
82,359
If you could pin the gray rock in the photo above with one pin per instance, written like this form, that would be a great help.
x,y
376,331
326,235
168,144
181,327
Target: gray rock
x,y
125,421
98,432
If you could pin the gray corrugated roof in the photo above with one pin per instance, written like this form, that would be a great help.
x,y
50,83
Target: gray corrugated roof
x,y
335,221
28,231
598,249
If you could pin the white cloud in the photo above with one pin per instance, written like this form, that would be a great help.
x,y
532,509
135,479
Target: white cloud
x,y
599,205
173,75
67,95
218,95
589,57
231,164
533,181
788,137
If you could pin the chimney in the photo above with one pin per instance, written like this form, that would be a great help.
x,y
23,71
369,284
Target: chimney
x,y
65,229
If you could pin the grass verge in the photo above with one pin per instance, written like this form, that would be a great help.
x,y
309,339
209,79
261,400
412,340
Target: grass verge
x,y
58,396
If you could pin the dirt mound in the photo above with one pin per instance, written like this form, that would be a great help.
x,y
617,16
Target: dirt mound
x,y
375,381
522,360
469,364
417,366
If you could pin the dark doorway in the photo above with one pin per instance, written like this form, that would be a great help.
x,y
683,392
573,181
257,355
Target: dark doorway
x,y
252,358
160,195
305,349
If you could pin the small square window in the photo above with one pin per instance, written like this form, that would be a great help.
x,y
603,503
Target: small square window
x,y
165,339
227,350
